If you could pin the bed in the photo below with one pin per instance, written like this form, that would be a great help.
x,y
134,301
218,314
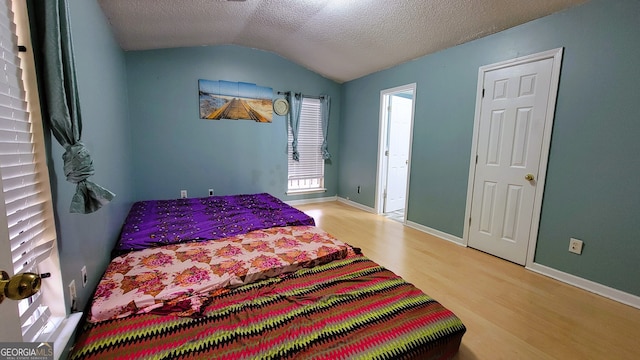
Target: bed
x,y
278,292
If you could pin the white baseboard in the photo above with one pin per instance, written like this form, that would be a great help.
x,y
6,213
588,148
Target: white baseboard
x,y
356,205
588,285
311,201
437,233
425,229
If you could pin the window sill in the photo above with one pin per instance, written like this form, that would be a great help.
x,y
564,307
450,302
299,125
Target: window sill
x,y
306,191
62,338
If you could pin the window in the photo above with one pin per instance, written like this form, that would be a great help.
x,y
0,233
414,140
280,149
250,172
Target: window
x,y
27,233
307,175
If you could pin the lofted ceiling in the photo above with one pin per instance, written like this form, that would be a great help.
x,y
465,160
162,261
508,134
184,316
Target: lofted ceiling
x,y
339,39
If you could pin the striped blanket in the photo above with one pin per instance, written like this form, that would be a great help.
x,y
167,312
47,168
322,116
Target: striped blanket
x,y
346,309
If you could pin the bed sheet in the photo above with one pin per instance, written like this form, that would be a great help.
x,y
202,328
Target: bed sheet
x,y
161,222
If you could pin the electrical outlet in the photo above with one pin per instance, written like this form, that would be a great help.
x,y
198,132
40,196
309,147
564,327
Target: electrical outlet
x,y
83,273
73,295
575,246
210,192
183,194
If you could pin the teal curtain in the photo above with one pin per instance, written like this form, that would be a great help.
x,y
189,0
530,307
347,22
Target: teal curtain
x,y
295,102
60,102
325,106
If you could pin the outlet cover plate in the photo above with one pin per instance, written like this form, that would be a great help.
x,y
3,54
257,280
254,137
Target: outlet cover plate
x,y
83,273
575,246
72,290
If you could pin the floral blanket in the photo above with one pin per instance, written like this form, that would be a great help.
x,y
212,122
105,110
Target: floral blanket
x,y
179,279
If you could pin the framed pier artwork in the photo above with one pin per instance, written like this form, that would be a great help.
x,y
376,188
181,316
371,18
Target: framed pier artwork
x,y
221,99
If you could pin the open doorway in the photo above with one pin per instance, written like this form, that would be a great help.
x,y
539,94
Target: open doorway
x,y
394,150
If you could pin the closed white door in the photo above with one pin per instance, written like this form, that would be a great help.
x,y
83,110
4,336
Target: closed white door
x,y
400,109
509,144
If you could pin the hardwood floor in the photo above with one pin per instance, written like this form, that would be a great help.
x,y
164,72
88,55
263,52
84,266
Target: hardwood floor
x,y
509,312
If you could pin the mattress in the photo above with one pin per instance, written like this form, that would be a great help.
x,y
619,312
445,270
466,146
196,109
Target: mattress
x,y
161,222
310,296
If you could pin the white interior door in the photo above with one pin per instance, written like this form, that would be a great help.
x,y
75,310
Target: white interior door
x,y
400,109
509,143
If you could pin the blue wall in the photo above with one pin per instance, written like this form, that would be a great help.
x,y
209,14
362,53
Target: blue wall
x,y
100,67
591,189
174,149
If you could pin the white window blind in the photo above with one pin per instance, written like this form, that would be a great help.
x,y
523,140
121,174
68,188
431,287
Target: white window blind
x,y
29,241
308,173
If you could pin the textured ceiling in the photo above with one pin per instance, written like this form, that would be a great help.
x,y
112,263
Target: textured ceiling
x,y
339,39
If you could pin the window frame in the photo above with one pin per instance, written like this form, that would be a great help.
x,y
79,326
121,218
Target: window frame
x,y
307,175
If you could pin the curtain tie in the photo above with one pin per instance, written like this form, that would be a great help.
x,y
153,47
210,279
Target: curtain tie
x,y
294,153
325,153
78,165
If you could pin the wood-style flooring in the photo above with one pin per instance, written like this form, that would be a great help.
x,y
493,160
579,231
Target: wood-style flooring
x,y
509,312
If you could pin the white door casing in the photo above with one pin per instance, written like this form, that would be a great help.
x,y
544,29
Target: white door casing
x,y
400,109
509,157
383,135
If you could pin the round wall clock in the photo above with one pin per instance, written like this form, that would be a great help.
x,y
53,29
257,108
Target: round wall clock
x,y
281,106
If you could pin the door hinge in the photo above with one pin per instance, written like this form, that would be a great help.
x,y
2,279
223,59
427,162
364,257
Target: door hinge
x,y
386,153
476,159
384,194
483,93
469,221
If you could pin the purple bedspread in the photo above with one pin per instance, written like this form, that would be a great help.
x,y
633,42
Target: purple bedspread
x,y
161,222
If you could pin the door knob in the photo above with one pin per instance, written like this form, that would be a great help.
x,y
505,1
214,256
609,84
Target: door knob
x,y
529,177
